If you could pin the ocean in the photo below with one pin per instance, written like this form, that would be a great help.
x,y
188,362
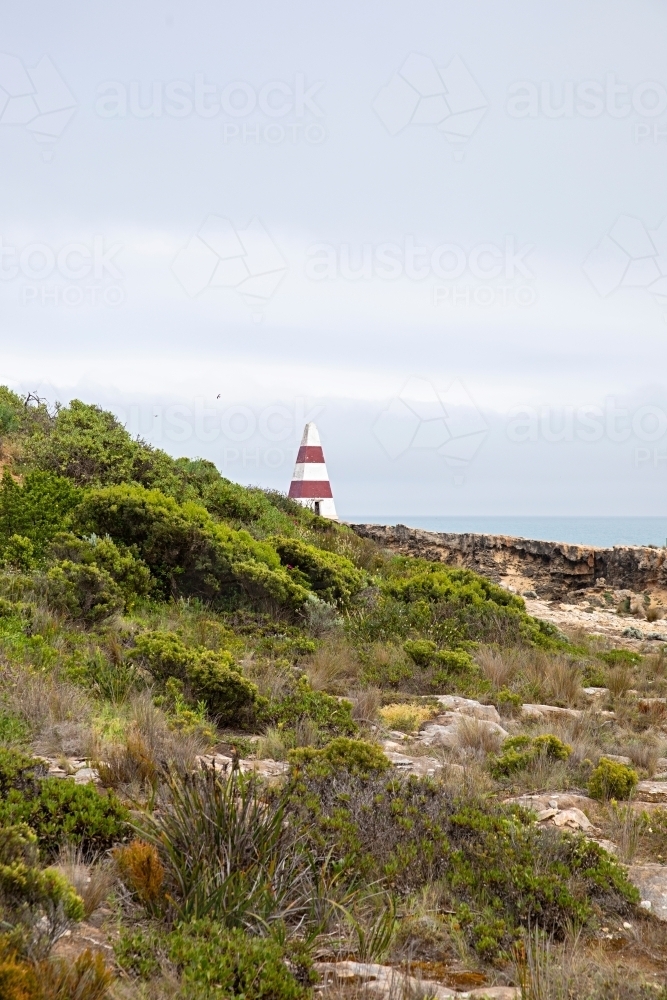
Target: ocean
x,y
602,531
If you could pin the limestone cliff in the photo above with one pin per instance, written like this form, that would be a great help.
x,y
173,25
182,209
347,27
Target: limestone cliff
x,y
551,569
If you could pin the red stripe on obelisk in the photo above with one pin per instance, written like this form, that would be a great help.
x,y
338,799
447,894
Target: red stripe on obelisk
x,y
304,489
310,453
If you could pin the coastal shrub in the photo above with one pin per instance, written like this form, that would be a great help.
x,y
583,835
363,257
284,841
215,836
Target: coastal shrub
x,y
434,583
453,662
130,574
231,502
186,551
519,752
420,651
333,578
255,968
64,812
353,756
20,772
507,702
58,810
34,510
211,676
37,903
386,665
84,443
19,553
331,717
409,834
610,780
620,658
84,593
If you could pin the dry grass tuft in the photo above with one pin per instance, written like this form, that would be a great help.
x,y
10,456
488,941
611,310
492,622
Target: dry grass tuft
x,y
271,745
93,881
619,682
474,737
366,705
149,746
645,751
500,667
272,677
333,668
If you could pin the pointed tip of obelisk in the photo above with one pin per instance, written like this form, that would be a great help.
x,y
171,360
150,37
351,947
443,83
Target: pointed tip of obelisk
x,y
310,435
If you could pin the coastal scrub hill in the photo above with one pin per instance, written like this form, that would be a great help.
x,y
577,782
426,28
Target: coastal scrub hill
x,y
245,753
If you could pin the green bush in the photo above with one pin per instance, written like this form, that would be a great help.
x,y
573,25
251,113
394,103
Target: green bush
x,y
333,578
453,661
86,444
420,651
610,780
211,676
593,675
354,756
20,771
519,752
13,729
84,593
508,702
434,583
620,658
231,502
409,834
241,967
19,553
186,551
331,717
130,574
58,810
37,904
35,510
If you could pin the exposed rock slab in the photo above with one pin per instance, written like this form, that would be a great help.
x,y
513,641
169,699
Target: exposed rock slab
x,y
445,732
651,791
468,706
651,880
386,981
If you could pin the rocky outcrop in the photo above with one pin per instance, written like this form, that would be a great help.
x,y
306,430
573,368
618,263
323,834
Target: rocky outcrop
x,y
550,568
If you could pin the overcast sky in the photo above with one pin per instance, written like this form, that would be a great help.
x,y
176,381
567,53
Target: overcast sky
x,y
436,229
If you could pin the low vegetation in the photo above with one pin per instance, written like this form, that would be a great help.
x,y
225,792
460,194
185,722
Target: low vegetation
x,y
164,630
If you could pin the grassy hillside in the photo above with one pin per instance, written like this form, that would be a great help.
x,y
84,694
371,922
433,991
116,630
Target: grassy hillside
x,y
151,612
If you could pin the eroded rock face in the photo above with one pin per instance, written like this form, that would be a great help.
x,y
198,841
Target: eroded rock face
x,y
552,569
651,880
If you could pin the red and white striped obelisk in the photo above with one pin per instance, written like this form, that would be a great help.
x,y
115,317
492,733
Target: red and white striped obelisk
x,y
310,484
